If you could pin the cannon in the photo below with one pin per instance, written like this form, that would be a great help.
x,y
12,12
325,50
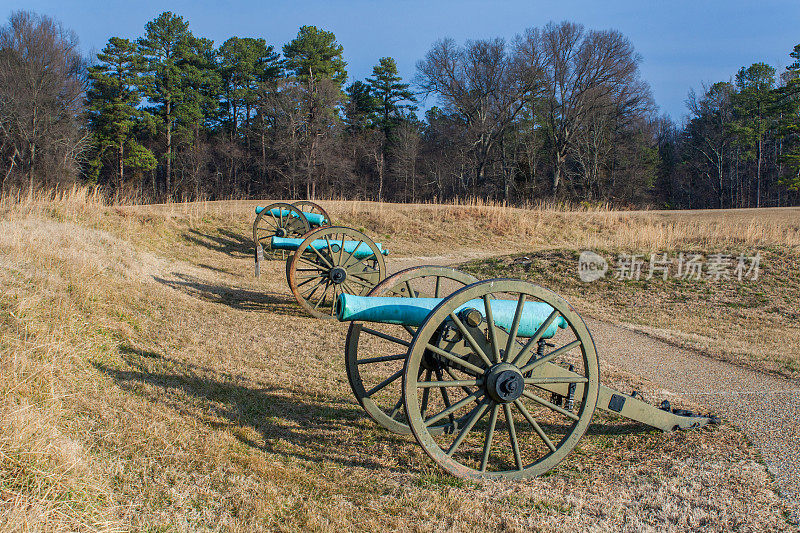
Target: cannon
x,y
281,219
330,261
494,379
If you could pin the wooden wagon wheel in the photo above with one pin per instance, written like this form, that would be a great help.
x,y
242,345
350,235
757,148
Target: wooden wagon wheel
x,y
375,353
492,370
322,268
278,219
307,206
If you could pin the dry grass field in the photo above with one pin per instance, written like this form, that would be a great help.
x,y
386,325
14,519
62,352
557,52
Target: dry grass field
x,y
149,383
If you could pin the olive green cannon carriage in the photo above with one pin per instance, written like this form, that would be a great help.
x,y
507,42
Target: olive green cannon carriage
x,y
327,262
281,219
494,379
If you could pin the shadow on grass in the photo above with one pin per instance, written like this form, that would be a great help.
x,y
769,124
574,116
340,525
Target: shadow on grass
x,y
286,421
281,420
233,297
226,242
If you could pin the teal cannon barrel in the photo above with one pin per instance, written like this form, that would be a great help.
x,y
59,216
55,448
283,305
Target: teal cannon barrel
x,y
315,219
359,249
414,311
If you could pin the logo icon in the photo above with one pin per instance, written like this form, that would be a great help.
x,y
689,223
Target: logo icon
x,y
591,266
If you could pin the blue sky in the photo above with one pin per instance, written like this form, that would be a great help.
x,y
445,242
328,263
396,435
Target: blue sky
x,y
683,43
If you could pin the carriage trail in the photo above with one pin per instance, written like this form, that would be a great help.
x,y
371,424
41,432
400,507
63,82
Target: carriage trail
x,y
765,407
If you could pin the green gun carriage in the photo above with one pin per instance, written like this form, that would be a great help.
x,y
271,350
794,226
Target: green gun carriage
x,y
330,261
494,379
282,219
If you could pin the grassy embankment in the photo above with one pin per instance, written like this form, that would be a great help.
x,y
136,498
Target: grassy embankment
x,y
150,383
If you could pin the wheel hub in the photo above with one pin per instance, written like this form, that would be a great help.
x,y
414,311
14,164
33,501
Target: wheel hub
x,y
281,232
337,275
504,383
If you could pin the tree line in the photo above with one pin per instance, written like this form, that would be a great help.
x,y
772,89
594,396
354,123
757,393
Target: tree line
x,y
558,112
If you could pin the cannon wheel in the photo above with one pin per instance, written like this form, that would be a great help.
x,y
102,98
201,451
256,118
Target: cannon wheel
x,y
411,282
317,277
532,434
307,206
267,225
289,258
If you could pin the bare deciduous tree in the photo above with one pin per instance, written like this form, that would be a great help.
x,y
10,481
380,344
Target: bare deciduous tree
x,y
481,83
584,72
41,97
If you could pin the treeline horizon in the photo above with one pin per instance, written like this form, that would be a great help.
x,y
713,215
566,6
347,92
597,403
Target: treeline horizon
x,y
559,112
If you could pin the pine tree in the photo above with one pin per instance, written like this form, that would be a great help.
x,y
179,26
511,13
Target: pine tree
x,y
789,97
112,102
389,92
362,107
315,59
314,54
164,45
754,106
247,66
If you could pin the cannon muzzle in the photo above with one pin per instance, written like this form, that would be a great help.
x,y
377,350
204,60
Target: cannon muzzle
x,y
413,312
315,219
359,249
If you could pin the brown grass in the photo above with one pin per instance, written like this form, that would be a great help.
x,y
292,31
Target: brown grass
x,y
148,382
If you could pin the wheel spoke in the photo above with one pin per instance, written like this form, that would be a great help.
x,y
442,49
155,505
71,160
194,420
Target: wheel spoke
x,y
350,289
300,258
381,359
333,299
310,292
477,414
550,356
445,396
319,254
411,293
555,380
438,286
366,282
465,389
327,286
350,255
309,280
470,339
365,269
512,336
425,393
358,281
487,444
457,360
552,406
454,383
386,336
341,248
536,427
453,408
328,243
512,435
487,307
384,383
309,276
523,356
396,409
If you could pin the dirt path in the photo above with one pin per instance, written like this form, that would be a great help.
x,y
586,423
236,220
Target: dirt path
x,y
396,264
766,407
